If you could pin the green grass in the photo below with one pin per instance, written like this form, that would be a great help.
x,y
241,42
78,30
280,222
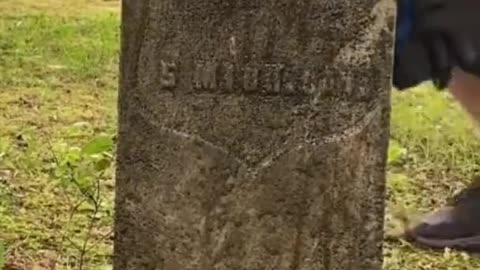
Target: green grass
x,y
433,154
58,80
44,50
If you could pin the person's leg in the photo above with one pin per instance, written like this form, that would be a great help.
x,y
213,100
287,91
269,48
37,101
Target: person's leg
x,y
466,90
457,225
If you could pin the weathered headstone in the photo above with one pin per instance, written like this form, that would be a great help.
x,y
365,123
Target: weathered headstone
x,y
253,134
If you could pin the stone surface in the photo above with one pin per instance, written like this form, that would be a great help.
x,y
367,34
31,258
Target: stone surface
x,y
253,134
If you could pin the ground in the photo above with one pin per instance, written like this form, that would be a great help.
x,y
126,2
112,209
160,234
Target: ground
x,y
58,82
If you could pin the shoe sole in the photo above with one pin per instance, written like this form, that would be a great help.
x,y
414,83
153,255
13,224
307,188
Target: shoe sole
x,y
468,244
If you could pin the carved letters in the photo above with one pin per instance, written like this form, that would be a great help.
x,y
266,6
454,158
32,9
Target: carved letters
x,y
270,79
205,76
167,79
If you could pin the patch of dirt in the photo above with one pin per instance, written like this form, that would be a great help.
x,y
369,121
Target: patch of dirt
x,y
43,260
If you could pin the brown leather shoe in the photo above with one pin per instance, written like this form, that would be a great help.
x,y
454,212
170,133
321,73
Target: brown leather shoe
x,y
455,226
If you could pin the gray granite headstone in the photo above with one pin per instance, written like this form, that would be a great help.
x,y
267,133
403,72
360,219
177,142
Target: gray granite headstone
x,y
253,134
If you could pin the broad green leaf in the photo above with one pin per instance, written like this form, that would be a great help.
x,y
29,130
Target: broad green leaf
x,y
98,145
395,153
102,164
